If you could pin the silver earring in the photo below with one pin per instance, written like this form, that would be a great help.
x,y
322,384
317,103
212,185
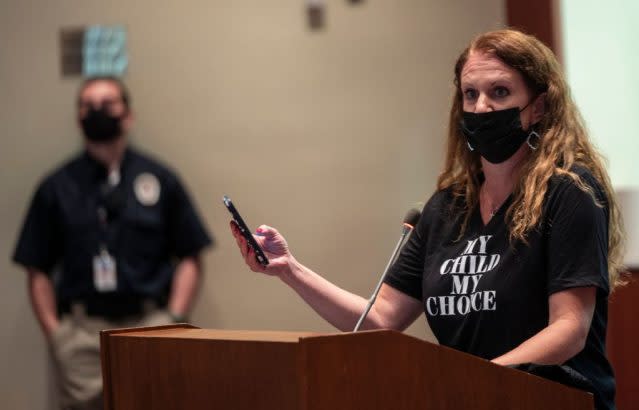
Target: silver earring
x,y
470,147
531,135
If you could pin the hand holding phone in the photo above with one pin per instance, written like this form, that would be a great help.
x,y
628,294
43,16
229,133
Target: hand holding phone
x,y
245,231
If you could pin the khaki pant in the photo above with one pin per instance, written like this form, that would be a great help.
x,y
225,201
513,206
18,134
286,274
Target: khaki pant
x,y
75,348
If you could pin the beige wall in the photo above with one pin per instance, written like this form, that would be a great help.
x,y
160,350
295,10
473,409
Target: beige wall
x,y
329,136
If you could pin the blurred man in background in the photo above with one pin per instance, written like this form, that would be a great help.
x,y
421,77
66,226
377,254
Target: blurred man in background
x,y
111,239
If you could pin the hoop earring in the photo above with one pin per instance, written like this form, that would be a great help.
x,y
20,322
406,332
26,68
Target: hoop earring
x,y
533,134
470,147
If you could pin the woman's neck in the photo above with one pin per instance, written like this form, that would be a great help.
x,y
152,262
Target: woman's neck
x,y
500,179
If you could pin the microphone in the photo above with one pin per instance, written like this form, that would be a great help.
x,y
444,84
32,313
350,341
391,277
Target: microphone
x,y
410,220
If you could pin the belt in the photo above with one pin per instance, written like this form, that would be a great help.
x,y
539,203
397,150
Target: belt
x,y
114,306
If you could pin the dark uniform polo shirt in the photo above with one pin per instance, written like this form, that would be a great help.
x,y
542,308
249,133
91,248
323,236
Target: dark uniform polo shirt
x,y
147,222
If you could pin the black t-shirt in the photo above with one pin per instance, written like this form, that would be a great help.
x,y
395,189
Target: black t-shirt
x,y
146,222
485,296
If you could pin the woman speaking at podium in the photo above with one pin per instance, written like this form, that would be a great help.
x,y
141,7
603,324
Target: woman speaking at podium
x,y
518,249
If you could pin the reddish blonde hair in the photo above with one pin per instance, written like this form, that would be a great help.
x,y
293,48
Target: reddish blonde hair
x,y
564,143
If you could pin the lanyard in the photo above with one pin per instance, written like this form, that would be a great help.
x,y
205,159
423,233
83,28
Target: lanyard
x,y
103,231
111,203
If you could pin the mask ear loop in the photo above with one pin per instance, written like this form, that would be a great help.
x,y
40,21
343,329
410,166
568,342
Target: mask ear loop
x,y
470,147
531,135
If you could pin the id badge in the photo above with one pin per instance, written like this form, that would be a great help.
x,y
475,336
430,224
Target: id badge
x,y
104,272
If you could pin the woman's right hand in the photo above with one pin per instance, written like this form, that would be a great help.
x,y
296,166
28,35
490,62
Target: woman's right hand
x,y
274,246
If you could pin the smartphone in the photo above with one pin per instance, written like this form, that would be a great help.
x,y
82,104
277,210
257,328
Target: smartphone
x,y
246,232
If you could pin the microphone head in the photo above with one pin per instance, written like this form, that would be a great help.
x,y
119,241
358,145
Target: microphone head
x,y
412,217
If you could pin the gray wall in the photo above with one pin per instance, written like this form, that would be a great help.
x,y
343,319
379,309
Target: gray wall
x,y
329,136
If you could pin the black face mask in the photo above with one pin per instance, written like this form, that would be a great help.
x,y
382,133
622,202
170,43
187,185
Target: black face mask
x,y
100,126
496,135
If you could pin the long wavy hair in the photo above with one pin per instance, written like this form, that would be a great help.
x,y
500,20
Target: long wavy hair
x,y
564,143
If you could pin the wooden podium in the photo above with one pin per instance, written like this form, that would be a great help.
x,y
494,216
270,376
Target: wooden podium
x,y
184,367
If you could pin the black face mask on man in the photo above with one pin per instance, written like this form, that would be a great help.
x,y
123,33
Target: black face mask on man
x,y
496,135
100,126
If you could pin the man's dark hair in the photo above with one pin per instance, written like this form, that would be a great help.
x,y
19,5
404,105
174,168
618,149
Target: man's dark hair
x,y
124,92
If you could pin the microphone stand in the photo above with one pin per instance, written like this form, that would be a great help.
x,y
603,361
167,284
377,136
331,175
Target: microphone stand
x,y
407,229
